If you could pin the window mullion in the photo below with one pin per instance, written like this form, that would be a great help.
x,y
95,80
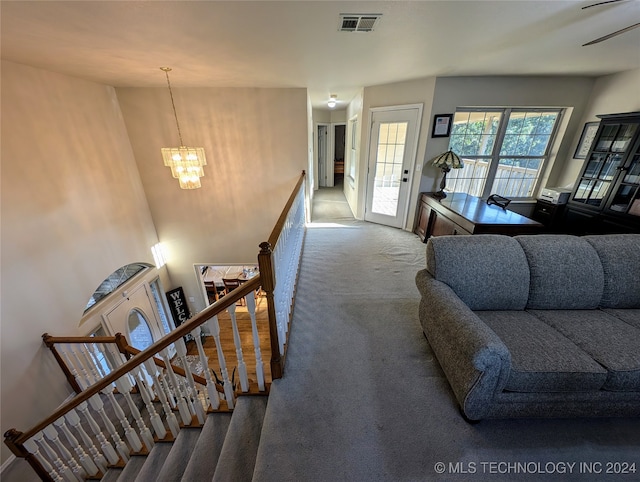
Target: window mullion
x,y
495,155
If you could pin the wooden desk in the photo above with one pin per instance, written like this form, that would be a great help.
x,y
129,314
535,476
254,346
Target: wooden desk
x,y
464,214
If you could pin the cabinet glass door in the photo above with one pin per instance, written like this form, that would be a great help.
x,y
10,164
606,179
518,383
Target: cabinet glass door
x,y
604,163
627,196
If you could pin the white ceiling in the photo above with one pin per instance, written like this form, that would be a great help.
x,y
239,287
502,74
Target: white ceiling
x,y
297,43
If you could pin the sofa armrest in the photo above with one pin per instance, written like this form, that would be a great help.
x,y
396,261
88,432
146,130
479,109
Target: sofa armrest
x,y
474,359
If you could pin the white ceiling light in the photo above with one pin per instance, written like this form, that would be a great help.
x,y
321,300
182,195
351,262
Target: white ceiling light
x,y
332,101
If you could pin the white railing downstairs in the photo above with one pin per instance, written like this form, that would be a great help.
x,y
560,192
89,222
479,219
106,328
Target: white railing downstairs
x,y
103,368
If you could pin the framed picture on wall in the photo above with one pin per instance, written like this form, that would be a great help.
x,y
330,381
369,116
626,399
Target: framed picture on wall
x,y
586,139
442,125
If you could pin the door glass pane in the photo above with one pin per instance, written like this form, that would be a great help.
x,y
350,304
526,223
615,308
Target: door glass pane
x,y
595,164
633,173
139,332
606,138
388,175
623,138
610,166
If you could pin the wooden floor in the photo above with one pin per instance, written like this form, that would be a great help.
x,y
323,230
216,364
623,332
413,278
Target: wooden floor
x,y
246,336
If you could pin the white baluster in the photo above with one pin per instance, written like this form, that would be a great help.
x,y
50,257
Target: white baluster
x,y
145,393
89,362
107,449
214,398
63,469
183,406
88,465
131,435
52,434
172,421
91,354
242,367
100,461
72,368
33,449
181,350
97,404
214,329
166,386
251,308
124,387
87,377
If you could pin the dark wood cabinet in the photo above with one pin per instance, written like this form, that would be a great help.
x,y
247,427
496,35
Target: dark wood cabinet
x,y
464,214
548,214
606,198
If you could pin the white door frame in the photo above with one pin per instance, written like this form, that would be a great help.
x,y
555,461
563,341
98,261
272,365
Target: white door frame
x,y
326,164
413,153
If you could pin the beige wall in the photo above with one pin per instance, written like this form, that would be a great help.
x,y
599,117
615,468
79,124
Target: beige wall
x,y
73,211
612,94
256,145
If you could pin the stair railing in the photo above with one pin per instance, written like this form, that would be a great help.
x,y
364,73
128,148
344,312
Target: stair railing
x,y
156,379
279,263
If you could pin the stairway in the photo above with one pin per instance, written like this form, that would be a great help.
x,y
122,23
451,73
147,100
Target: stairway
x,y
223,449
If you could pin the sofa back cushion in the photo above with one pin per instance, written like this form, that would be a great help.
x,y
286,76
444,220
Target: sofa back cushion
x,y
566,273
620,257
488,272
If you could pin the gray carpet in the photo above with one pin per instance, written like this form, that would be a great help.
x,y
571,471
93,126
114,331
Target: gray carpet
x,y
363,399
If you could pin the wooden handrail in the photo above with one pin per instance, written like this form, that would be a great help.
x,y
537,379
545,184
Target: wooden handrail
x,y
277,229
52,340
143,356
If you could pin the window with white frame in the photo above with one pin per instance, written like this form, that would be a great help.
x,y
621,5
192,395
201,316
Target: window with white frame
x,y
504,150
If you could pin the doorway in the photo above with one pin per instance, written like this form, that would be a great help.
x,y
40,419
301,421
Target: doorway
x,y
330,142
392,155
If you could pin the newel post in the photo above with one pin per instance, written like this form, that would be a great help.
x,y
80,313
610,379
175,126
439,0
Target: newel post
x,y
268,278
121,343
10,440
46,338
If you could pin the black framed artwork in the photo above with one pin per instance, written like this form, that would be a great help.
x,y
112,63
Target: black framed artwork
x,y
442,125
586,139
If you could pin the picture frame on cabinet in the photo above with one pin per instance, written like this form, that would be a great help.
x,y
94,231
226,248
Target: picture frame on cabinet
x,y
586,139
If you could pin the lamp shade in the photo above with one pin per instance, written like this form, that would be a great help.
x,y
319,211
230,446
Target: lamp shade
x,y
447,160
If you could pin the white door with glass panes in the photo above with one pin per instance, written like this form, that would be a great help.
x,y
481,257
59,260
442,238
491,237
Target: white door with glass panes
x,y
392,154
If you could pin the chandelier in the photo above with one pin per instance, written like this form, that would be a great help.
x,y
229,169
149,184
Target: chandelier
x,y
185,162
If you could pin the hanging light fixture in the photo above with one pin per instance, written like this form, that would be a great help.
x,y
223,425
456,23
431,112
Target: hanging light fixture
x,y
333,100
185,162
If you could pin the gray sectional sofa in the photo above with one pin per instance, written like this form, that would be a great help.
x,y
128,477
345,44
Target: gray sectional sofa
x,y
536,326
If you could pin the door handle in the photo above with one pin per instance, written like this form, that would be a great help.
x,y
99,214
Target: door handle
x,y
404,179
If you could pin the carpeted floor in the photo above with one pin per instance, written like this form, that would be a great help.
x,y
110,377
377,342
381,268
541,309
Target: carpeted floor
x,y
363,399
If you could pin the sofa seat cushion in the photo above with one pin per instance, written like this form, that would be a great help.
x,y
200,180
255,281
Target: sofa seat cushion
x,y
628,316
612,342
542,359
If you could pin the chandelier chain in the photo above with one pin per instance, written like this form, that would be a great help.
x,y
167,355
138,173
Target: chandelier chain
x,y
175,115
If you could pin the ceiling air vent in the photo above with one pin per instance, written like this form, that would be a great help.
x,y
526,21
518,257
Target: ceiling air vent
x,y
358,22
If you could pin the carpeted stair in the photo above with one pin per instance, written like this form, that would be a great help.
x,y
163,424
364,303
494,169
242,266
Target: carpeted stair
x,y
224,449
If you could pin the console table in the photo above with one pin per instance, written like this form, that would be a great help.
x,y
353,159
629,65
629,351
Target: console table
x,y
463,214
